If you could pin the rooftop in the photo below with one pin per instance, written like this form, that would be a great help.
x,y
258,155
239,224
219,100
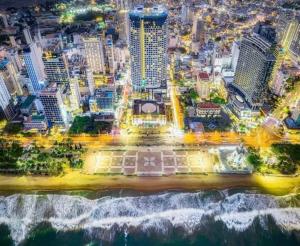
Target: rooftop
x,y
3,63
208,105
148,107
203,76
28,101
142,11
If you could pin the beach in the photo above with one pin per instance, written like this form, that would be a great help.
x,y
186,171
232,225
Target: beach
x,y
277,185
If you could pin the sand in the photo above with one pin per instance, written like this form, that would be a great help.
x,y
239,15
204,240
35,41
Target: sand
x,y
277,185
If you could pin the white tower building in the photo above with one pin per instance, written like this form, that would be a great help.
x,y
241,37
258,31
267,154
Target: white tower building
x,y
35,67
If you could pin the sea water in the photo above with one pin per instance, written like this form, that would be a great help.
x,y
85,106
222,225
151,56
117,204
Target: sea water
x,y
227,217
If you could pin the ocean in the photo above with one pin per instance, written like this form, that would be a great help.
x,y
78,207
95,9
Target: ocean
x,y
227,217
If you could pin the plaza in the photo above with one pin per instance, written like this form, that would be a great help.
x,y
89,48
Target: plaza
x,y
153,161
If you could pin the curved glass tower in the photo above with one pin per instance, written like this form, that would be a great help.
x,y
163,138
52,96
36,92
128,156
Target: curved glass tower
x,y
148,46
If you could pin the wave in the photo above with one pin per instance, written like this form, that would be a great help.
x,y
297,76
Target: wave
x,y
162,212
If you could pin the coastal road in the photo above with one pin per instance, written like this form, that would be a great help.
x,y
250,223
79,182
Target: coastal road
x,y
261,137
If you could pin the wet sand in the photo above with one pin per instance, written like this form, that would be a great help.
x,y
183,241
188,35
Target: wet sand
x,y
77,181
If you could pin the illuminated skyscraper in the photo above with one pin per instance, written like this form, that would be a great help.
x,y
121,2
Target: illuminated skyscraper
x,y
10,77
35,67
254,66
54,108
56,67
148,47
6,107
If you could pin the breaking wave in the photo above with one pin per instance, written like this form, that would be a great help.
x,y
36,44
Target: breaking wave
x,y
159,213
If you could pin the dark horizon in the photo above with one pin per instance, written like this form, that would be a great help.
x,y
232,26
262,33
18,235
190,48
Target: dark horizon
x,y
4,4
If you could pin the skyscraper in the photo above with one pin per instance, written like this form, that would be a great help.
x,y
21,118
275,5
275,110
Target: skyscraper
x,y
74,94
290,40
6,107
294,46
198,31
10,77
254,67
90,81
35,67
110,55
56,67
54,109
94,53
148,46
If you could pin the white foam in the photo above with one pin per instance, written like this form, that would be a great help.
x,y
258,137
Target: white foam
x,y
159,212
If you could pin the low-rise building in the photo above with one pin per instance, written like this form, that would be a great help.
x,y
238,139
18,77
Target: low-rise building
x,y
28,105
148,112
203,85
208,109
36,123
103,101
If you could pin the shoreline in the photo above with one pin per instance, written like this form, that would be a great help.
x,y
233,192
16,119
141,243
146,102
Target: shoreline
x,y
76,181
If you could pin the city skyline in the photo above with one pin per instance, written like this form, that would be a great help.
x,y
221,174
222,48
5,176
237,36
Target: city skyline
x,y
128,122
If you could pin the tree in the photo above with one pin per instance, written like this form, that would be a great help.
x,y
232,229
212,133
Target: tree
x,y
193,94
13,128
286,165
254,159
288,156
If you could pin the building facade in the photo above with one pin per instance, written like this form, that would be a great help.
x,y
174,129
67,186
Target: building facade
x,y
148,47
56,67
94,53
110,55
6,107
75,97
291,39
35,67
254,67
208,109
54,109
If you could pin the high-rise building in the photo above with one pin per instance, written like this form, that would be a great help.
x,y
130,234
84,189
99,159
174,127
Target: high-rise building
x,y
294,45
6,107
27,36
198,31
110,55
122,4
56,67
54,108
90,81
124,26
10,77
35,67
14,58
186,13
94,53
254,67
148,47
212,3
290,38
74,94
105,98
235,52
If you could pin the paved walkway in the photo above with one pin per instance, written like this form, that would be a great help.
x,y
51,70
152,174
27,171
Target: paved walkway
x,y
149,161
